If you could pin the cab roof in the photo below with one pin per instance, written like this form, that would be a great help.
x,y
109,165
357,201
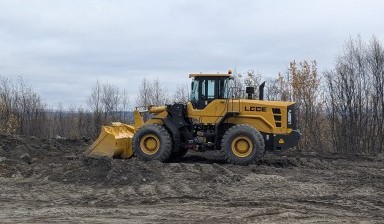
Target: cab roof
x,y
229,75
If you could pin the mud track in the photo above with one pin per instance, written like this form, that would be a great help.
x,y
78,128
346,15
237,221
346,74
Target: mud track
x,y
51,181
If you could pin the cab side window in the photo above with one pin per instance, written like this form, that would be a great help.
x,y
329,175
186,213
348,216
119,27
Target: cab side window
x,y
211,89
194,97
223,88
203,94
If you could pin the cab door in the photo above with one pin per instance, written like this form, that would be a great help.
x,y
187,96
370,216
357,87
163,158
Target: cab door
x,y
203,92
208,99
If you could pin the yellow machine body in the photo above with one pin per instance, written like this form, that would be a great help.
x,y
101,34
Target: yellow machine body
x,y
271,118
116,140
257,113
113,141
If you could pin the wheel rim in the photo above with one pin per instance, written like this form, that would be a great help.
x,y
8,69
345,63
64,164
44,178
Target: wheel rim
x,y
150,144
242,146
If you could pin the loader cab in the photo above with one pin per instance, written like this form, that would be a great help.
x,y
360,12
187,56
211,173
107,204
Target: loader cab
x,y
208,87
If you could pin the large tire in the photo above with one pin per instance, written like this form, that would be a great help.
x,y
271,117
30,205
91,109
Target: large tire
x,y
242,144
152,142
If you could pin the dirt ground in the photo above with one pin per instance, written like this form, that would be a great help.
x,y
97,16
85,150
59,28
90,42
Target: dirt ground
x,y
51,181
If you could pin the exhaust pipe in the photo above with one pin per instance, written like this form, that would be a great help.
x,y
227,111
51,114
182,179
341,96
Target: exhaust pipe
x,y
261,91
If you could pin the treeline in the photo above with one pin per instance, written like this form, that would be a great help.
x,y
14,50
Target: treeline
x,y
23,112
339,110
21,109
355,96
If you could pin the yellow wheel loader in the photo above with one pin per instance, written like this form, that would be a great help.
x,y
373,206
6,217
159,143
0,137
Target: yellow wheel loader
x,y
217,117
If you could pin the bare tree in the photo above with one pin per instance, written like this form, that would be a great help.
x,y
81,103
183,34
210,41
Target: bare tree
x,y
144,96
107,104
110,99
159,94
375,66
237,86
305,91
8,121
355,97
272,91
182,93
124,107
151,93
23,112
301,84
95,105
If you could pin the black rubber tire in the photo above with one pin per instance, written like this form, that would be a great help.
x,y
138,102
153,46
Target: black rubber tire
x,y
164,151
178,155
246,131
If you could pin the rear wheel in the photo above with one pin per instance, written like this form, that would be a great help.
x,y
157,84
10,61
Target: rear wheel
x,y
242,144
152,142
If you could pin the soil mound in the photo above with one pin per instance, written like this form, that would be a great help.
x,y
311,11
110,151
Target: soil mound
x,y
43,180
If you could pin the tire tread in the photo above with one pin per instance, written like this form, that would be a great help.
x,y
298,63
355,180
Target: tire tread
x,y
247,128
165,141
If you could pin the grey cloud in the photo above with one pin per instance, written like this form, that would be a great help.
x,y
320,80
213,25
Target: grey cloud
x,y
63,47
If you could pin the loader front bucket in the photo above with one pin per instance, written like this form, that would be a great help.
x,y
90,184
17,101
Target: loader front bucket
x,y
113,141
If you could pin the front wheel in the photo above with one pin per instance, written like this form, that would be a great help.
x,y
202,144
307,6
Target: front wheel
x,y
242,144
152,142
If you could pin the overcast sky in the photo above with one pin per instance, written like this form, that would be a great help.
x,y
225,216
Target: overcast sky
x,y
62,47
